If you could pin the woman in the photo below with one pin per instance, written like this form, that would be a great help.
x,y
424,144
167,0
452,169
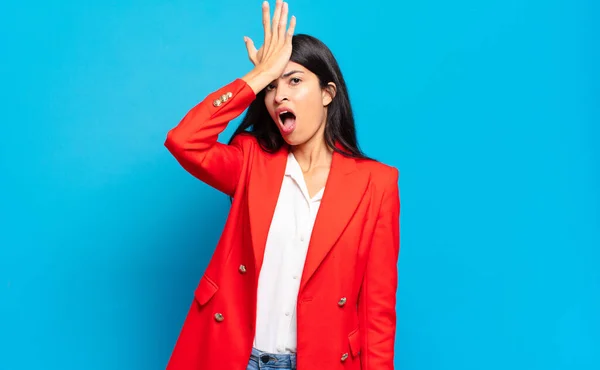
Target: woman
x,y
305,273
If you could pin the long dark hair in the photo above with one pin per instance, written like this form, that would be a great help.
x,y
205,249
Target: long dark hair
x,y
315,56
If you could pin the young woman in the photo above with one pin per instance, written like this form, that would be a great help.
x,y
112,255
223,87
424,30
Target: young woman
x,y
304,275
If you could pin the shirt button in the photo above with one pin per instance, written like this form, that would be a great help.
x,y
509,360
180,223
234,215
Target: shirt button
x,y
287,313
301,238
295,277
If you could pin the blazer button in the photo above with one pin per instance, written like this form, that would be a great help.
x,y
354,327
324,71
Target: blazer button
x,y
217,102
219,317
342,301
225,97
229,94
344,357
242,269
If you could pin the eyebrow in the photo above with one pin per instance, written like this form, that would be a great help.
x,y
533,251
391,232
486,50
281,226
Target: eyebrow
x,y
291,73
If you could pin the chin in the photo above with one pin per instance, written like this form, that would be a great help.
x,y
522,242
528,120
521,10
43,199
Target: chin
x,y
293,139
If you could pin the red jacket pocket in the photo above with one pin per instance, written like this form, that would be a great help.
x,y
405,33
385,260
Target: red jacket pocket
x,y
354,340
205,290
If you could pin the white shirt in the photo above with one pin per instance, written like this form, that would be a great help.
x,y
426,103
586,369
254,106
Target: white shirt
x,y
283,263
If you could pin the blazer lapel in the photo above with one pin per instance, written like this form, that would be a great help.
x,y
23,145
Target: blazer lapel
x,y
344,190
263,191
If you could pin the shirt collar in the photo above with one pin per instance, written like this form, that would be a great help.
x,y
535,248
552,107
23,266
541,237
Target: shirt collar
x,y
292,167
293,170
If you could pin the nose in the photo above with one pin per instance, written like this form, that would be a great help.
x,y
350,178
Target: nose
x,y
281,94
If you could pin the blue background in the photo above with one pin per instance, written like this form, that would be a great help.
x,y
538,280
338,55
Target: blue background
x,y
490,109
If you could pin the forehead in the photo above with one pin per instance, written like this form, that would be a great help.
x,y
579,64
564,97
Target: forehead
x,y
293,66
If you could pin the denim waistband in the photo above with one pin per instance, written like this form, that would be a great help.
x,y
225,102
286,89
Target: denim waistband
x,y
268,360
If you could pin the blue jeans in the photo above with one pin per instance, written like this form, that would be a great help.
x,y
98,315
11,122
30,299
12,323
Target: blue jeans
x,y
260,360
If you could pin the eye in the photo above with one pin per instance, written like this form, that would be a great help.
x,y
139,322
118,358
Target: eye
x,y
270,87
295,80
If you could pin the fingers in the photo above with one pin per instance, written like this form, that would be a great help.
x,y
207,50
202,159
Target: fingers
x,y
276,17
266,14
290,31
283,22
276,35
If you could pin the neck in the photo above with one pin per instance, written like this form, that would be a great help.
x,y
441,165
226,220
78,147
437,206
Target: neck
x,y
314,153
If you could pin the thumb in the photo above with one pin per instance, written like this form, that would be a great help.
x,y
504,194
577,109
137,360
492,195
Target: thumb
x,y
250,46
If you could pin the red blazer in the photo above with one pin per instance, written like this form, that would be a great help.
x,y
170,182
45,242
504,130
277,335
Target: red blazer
x,y
347,298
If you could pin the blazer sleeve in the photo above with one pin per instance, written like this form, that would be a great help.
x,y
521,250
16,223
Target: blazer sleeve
x,y
377,298
193,142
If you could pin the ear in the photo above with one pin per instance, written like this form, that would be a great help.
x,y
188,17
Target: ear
x,y
328,93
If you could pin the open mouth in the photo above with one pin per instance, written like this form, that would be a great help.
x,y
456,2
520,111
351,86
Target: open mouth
x,y
287,120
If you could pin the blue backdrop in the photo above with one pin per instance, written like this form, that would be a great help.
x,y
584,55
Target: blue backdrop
x,y
490,109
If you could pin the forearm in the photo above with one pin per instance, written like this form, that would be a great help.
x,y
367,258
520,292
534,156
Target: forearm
x,y
193,142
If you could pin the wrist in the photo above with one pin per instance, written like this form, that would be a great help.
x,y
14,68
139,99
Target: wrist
x,y
258,79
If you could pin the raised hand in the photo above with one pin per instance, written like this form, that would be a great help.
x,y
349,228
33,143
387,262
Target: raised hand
x,y
272,57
